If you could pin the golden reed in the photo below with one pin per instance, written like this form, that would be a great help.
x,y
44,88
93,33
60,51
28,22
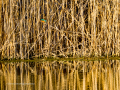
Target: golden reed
x,y
71,28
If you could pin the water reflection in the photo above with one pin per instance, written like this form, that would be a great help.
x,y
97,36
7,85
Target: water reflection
x,y
60,75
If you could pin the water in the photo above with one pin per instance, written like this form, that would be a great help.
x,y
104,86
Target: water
x,y
60,75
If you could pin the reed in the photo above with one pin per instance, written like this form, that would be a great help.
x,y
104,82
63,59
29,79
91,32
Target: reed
x,y
72,28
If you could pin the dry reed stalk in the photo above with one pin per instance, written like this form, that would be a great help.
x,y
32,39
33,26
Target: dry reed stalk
x,y
73,27
28,29
24,28
1,26
34,26
0,23
21,28
11,28
38,27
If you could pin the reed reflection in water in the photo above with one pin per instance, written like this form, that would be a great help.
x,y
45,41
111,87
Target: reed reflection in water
x,y
60,75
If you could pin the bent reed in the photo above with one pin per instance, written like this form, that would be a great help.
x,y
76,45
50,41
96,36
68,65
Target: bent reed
x,y
72,28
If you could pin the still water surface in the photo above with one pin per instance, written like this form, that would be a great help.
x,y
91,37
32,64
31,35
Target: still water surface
x,y
60,75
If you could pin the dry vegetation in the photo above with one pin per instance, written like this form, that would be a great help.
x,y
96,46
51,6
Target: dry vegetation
x,y
73,28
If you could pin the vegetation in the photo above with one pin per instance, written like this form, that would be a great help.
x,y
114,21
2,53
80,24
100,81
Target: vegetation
x,y
70,28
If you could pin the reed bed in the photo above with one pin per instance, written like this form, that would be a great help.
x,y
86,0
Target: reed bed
x,y
60,75
73,28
